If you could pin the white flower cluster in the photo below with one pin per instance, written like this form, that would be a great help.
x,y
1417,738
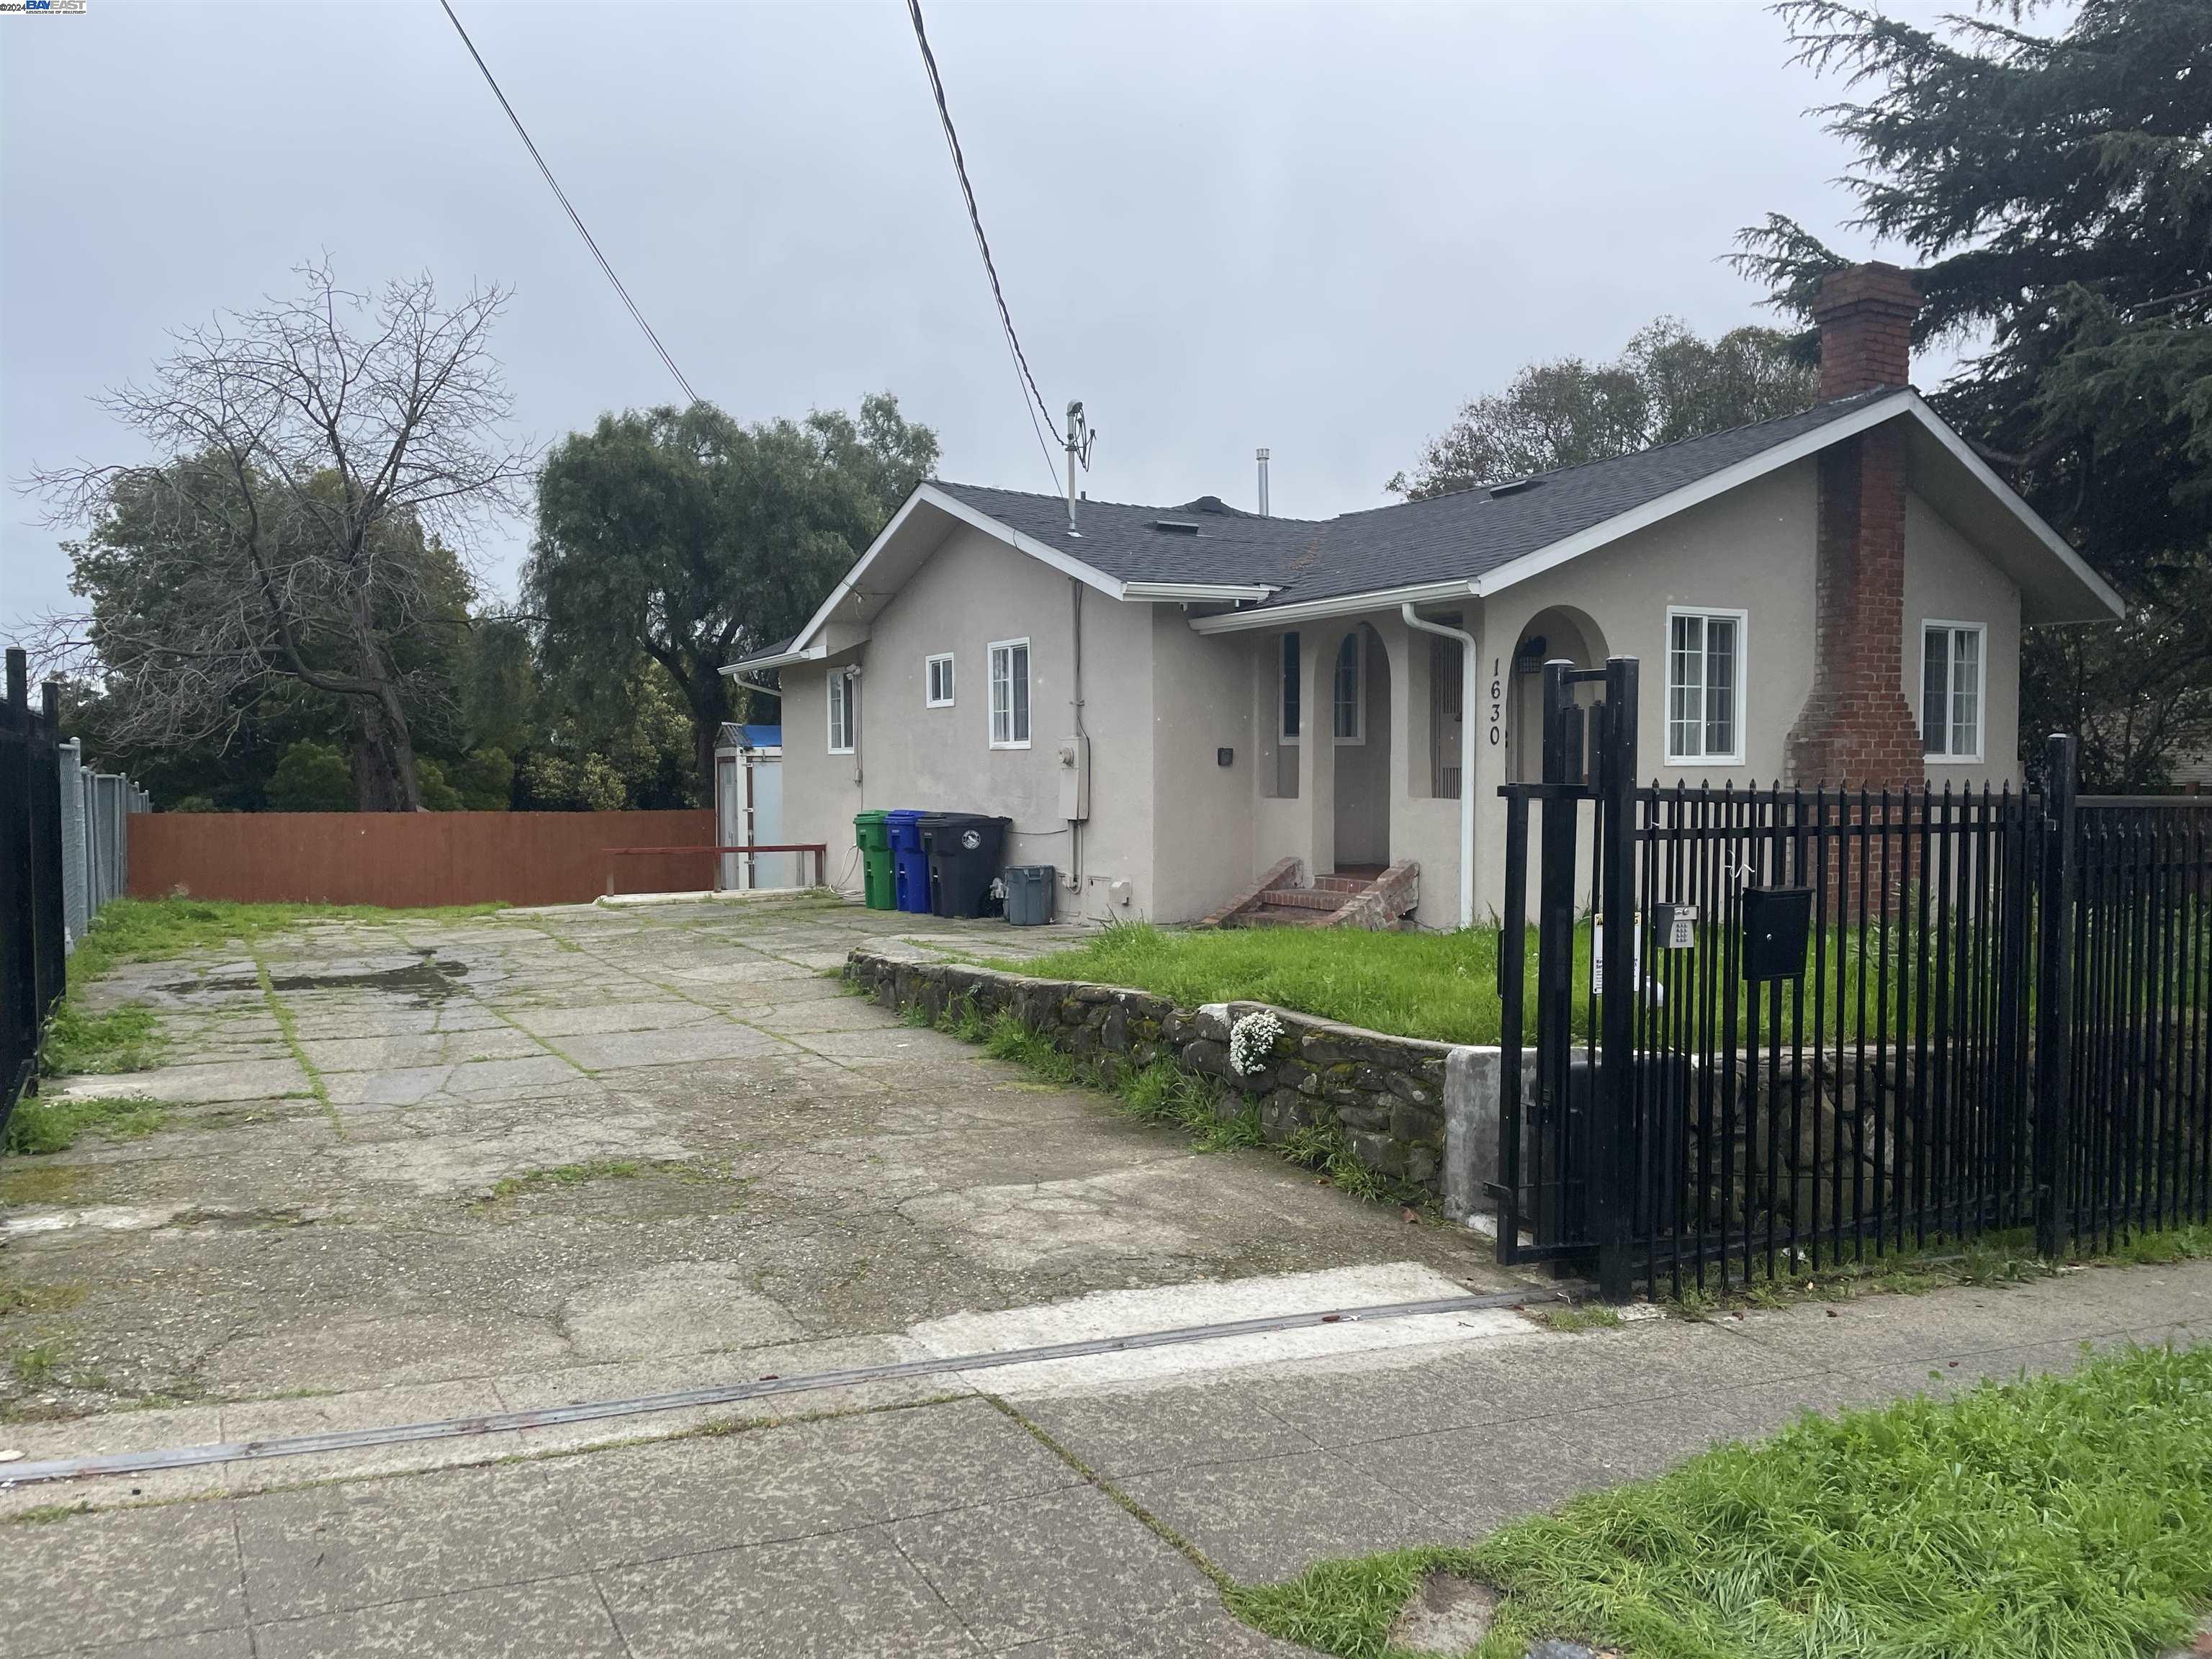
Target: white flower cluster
x,y
1252,1041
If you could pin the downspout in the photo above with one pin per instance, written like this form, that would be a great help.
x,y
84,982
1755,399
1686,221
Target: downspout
x,y
1075,702
853,710
1469,668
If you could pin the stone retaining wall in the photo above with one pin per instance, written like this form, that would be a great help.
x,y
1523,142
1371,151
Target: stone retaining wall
x,y
1411,1110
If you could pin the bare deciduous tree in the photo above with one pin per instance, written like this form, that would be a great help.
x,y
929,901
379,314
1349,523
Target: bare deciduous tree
x,y
318,468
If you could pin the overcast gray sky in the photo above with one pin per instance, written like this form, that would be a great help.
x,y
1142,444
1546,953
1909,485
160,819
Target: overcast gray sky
x,y
1316,228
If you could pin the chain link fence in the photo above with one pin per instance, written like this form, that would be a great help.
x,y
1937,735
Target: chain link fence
x,y
64,852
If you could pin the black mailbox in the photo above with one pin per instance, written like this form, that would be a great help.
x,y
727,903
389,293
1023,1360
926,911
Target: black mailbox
x,y
1776,923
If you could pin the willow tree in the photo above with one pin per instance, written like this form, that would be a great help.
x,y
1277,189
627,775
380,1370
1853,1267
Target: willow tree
x,y
688,537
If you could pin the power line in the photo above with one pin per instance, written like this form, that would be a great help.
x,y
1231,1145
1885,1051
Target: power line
x,y
563,196
983,244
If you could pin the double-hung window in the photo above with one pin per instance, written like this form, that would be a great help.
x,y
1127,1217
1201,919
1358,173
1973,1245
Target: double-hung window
x,y
1010,694
1952,669
1288,698
1705,686
1347,713
842,690
938,674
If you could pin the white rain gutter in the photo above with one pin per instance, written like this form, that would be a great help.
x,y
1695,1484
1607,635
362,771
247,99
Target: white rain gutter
x,y
1469,667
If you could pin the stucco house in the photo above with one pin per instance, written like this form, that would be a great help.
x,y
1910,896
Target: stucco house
x,y
1173,705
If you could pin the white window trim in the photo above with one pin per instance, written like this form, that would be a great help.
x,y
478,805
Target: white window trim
x,y
1358,636
990,694
837,677
1283,735
1743,620
1981,690
951,683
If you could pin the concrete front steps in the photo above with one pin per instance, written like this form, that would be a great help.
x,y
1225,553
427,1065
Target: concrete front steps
x,y
1370,898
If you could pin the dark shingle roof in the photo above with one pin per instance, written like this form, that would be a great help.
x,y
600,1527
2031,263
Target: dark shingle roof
x,y
1445,538
1123,540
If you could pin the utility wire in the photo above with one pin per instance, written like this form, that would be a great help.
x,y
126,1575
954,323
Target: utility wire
x,y
563,196
983,244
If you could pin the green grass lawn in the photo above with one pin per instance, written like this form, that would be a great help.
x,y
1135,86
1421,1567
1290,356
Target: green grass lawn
x,y
2056,1517
1444,986
1440,985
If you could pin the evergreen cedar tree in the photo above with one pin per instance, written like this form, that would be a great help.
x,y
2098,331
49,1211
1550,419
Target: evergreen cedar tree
x,y
2056,187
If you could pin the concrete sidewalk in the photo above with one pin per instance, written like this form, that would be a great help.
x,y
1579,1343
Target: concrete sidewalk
x,y
1006,1523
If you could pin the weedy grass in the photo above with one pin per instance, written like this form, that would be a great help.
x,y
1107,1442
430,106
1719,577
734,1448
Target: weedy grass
x,y
42,1125
42,1183
589,1170
1587,1316
45,1515
122,1039
1215,1117
1326,1149
1164,1092
35,1365
17,1298
153,930
566,1175
2007,1257
2051,1518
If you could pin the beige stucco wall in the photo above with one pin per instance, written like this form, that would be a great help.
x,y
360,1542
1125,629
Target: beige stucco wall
x,y
971,591
1203,821
1752,550
1162,700
1946,579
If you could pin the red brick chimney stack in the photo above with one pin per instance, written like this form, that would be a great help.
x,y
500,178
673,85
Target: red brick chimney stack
x,y
1855,726
1865,316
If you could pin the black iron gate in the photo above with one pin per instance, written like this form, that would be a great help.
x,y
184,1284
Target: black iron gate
x,y
31,949
1776,1029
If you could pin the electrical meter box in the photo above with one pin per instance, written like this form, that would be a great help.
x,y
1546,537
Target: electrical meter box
x,y
1075,779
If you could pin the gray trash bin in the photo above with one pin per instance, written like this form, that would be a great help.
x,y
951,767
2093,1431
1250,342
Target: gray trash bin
x,y
1029,895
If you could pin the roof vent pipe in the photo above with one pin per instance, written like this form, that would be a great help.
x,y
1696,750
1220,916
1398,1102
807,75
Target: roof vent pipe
x,y
1262,455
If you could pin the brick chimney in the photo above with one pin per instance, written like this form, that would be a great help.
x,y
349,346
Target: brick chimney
x,y
1865,314
1856,726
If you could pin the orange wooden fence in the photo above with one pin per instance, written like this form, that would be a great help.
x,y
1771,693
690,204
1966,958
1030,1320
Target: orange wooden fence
x,y
414,858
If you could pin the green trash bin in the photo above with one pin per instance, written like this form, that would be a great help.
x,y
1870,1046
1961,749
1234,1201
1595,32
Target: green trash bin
x,y
873,837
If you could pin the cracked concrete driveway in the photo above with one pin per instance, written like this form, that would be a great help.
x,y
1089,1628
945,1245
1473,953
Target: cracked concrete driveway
x,y
413,1169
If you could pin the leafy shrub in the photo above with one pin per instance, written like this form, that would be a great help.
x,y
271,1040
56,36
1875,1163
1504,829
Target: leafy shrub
x,y
312,777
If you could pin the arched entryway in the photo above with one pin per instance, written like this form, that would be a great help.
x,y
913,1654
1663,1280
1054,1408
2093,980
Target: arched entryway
x,y
1360,721
1559,631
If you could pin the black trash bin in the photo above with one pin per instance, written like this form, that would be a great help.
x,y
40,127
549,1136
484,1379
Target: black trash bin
x,y
964,849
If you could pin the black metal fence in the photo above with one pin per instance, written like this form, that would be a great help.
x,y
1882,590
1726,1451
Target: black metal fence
x,y
33,950
1811,1026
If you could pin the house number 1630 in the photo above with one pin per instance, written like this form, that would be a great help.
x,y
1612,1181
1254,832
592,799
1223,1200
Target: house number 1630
x,y
1496,705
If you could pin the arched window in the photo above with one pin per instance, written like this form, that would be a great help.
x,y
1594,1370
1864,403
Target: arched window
x,y
1350,665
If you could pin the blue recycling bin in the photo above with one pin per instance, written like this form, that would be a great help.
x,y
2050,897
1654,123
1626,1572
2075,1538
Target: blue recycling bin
x,y
909,862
